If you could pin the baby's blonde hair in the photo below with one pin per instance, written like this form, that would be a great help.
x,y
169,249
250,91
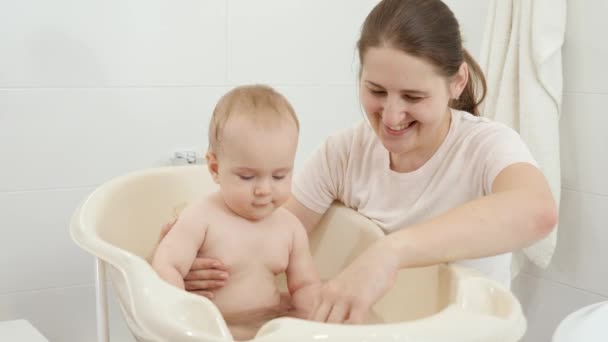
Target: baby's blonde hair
x,y
259,102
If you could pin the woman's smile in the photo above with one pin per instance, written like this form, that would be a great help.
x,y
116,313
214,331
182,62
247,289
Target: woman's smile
x,y
399,130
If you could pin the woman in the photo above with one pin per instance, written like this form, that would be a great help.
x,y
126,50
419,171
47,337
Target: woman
x,y
444,184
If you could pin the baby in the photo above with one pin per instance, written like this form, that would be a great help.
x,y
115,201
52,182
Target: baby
x,y
253,136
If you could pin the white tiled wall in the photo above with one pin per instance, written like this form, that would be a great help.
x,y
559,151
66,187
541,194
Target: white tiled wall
x,y
547,302
137,43
63,314
577,275
583,137
35,249
586,50
268,43
92,90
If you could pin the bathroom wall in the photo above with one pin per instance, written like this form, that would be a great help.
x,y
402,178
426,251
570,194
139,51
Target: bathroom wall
x,y
92,90
577,275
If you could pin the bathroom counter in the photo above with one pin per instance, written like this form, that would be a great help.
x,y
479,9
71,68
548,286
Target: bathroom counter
x,y
20,330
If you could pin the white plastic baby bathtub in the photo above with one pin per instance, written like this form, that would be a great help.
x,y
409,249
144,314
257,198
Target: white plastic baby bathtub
x,y
120,222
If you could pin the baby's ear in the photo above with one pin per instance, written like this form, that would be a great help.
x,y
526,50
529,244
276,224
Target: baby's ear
x,y
212,165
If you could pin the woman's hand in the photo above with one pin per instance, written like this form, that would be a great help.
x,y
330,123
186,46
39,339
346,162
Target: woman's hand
x,y
349,296
205,275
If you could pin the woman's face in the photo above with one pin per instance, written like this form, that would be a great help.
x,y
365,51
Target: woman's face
x,y
406,102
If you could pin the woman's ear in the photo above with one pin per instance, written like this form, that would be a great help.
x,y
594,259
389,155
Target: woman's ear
x,y
459,81
212,165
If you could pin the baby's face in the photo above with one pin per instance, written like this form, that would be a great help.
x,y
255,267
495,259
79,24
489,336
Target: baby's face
x,y
255,165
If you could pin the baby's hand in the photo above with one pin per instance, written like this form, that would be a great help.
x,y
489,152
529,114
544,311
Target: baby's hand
x,y
205,276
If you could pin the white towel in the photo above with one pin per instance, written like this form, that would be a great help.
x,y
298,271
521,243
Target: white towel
x,y
521,57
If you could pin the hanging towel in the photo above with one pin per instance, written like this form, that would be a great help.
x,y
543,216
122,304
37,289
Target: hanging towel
x,y
521,57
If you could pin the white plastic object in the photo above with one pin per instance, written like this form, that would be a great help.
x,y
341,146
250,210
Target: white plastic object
x,y
588,324
119,223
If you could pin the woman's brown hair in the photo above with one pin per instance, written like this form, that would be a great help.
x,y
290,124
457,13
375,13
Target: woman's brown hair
x,y
426,29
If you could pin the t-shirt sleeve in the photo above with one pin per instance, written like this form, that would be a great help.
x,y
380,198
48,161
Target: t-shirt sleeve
x,y
320,181
502,147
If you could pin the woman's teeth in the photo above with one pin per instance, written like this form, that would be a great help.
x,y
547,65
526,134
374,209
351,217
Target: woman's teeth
x,y
400,127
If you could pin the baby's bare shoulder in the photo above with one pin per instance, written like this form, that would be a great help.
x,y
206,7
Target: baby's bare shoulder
x,y
286,219
202,209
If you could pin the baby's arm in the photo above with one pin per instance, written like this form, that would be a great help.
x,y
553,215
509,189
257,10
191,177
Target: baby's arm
x,y
303,280
176,252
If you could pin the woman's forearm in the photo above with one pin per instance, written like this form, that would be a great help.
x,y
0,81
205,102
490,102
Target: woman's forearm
x,y
491,225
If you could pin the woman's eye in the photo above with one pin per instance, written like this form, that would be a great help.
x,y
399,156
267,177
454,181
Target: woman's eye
x,y
245,177
278,177
412,98
378,92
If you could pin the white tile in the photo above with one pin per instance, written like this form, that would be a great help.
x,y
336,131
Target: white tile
x,y
295,42
51,138
322,111
547,303
36,250
56,138
471,16
585,50
63,314
107,43
581,254
583,142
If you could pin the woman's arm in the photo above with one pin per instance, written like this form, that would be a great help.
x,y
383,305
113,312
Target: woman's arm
x,y
310,219
520,211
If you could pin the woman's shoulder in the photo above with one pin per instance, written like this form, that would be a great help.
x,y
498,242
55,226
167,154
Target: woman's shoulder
x,y
468,120
489,140
478,128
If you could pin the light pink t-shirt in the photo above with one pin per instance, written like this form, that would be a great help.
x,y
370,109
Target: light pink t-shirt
x,y
354,168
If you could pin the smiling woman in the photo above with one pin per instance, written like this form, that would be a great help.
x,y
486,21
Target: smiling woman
x,y
441,182
406,104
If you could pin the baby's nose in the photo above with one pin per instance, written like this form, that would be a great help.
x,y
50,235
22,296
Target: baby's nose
x,y
262,188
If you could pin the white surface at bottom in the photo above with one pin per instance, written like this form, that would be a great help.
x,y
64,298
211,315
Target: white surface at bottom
x,y
20,330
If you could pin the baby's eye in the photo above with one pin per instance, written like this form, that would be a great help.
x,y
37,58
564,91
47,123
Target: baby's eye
x,y
246,177
278,177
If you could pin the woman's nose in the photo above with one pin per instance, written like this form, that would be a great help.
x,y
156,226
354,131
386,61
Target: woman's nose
x,y
394,112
